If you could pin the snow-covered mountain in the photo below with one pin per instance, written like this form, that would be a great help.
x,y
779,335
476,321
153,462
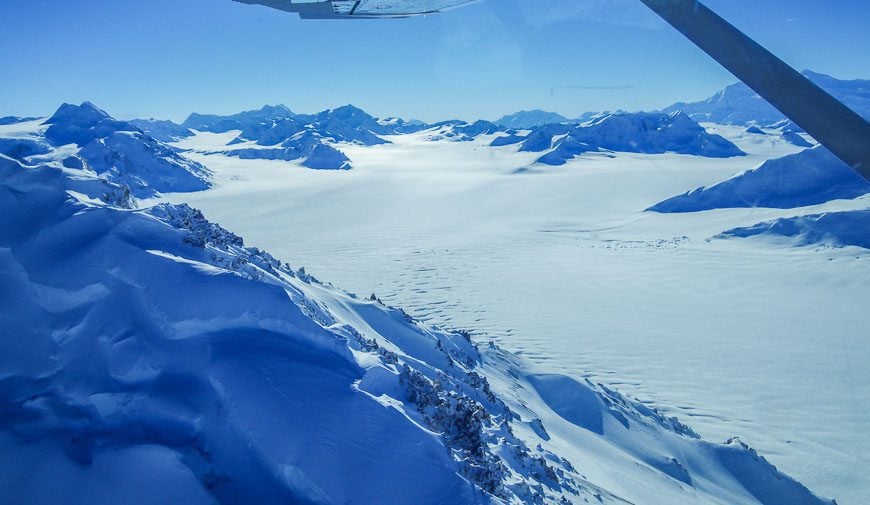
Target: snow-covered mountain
x,y
651,133
461,131
242,121
525,119
274,132
150,355
738,104
90,140
810,177
163,130
315,151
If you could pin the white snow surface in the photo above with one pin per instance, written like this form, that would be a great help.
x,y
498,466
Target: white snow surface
x,y
563,266
150,357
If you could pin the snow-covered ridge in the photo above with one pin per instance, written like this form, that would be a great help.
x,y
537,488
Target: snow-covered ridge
x,y
149,354
810,177
807,178
461,131
84,137
650,133
277,133
525,119
163,130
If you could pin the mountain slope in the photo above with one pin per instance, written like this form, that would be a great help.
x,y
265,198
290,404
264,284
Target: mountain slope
x,y
807,178
86,138
162,130
838,229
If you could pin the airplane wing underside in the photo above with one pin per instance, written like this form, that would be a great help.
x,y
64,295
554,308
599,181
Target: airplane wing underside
x,y
332,9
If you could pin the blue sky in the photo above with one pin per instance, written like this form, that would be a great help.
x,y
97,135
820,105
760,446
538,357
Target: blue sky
x,y
166,58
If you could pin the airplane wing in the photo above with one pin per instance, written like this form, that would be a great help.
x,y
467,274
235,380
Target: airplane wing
x,y
359,9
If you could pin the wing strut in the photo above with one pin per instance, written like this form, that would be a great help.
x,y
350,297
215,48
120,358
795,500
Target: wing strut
x,y
835,126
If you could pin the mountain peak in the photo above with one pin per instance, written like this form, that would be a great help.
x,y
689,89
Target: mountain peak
x,y
276,110
219,124
86,114
80,124
348,111
524,119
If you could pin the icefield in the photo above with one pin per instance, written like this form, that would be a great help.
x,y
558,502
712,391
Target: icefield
x,y
154,354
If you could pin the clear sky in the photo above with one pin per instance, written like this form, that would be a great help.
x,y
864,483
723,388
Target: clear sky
x,y
166,58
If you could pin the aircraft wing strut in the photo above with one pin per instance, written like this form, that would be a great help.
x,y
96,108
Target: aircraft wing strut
x,y
826,119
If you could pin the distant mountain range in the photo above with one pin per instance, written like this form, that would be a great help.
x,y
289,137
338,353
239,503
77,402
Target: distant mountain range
x,y
526,119
739,105
276,132
650,133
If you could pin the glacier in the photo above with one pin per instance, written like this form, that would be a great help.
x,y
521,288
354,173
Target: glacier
x,y
150,354
563,265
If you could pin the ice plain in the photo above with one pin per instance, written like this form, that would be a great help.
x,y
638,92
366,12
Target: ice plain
x,y
750,337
